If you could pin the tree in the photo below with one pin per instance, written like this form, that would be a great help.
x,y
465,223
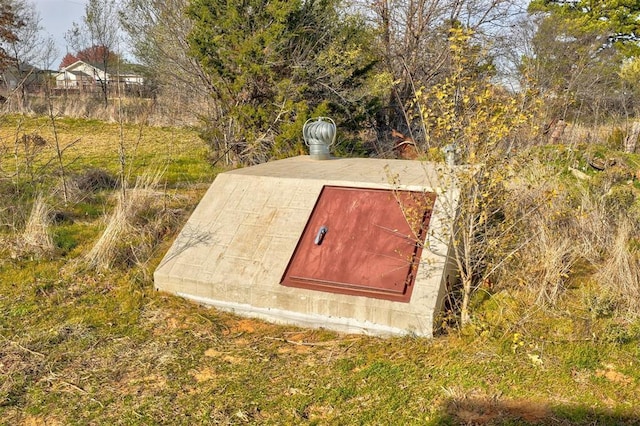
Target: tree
x,y
413,39
99,54
92,55
98,36
10,24
477,121
272,64
28,45
578,51
67,60
617,20
158,34
29,49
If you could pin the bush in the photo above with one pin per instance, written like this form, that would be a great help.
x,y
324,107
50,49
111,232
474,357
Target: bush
x,y
605,180
619,200
14,205
615,140
619,273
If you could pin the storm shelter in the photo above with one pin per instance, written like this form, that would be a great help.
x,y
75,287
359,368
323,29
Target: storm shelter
x,y
350,244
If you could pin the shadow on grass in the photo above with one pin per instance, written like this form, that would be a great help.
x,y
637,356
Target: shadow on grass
x,y
521,412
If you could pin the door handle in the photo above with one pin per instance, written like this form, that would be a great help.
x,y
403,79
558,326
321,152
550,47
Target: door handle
x,y
320,236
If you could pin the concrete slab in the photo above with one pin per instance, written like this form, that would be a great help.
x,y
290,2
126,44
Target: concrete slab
x,y
234,249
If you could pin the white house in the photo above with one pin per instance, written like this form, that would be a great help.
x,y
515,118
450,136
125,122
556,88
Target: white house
x,y
80,76
84,76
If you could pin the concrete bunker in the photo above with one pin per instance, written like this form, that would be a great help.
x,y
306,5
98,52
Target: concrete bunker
x,y
354,245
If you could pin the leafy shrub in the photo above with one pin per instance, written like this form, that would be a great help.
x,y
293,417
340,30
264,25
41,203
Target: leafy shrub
x,y
14,205
619,273
578,232
619,199
604,181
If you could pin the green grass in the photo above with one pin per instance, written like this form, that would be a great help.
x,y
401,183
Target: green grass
x,y
80,347
178,152
87,349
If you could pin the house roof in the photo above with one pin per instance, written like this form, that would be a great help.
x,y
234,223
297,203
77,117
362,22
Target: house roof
x,y
25,67
22,67
77,64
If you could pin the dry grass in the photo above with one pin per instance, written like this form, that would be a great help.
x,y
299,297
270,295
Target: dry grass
x,y
14,207
86,105
542,230
578,230
87,184
469,410
139,219
553,256
164,110
594,227
619,274
110,355
35,239
106,348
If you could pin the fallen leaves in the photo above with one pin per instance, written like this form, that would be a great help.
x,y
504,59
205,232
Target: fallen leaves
x,y
614,376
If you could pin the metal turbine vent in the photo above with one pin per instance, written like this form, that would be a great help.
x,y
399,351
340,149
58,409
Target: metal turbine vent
x,y
319,134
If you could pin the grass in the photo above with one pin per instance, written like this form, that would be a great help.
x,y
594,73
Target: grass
x,y
112,351
176,151
102,347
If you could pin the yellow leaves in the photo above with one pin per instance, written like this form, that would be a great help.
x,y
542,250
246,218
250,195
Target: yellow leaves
x,y
517,342
466,109
614,376
531,349
380,83
460,35
630,71
483,216
535,359
441,95
459,39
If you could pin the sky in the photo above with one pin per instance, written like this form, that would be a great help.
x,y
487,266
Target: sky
x,y
57,17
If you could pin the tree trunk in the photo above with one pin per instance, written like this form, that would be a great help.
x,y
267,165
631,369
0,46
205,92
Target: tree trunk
x,y
557,131
631,141
465,316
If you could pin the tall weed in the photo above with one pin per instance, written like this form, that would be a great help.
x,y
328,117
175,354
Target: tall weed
x,y
137,224
35,239
619,272
579,232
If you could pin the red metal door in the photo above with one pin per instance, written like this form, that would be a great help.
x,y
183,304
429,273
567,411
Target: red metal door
x,y
362,242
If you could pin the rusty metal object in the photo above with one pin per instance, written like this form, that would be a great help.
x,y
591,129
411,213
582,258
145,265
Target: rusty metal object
x,y
363,242
403,146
